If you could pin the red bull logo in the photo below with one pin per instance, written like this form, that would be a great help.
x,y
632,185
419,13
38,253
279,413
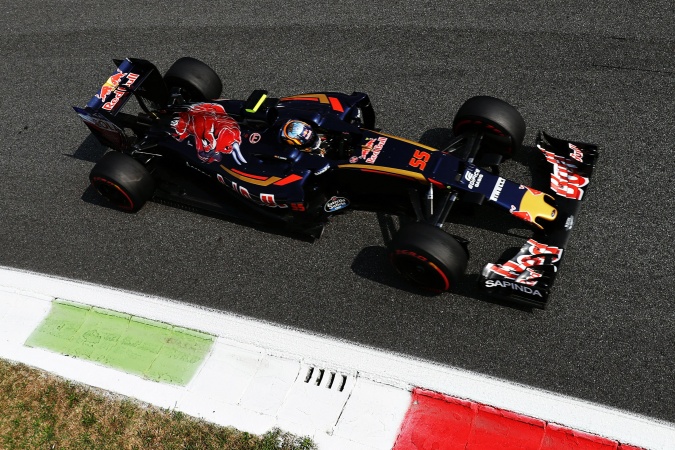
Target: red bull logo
x,y
114,85
370,150
214,132
533,206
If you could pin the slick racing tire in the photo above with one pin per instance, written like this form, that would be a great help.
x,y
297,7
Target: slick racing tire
x,y
501,123
428,257
199,81
122,181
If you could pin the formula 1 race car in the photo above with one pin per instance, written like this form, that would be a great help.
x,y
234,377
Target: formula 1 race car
x,y
296,161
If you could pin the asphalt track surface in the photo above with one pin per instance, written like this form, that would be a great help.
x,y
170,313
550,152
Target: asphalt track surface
x,y
600,72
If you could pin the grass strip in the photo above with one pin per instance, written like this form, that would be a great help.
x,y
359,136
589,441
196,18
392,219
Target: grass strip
x,y
40,410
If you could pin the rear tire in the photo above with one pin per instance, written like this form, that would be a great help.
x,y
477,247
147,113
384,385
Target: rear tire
x,y
122,181
199,81
428,257
503,126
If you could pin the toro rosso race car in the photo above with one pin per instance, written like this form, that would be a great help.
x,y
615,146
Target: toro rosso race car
x,y
296,161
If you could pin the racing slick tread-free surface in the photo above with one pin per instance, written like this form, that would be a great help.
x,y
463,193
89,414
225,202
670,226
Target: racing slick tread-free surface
x,y
123,181
428,256
196,77
495,116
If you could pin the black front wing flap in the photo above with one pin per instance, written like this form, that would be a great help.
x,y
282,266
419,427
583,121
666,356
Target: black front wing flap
x,y
528,276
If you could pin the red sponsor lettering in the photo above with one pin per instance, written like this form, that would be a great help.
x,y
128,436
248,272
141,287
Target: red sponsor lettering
x,y
244,192
564,180
241,190
576,153
535,254
119,93
268,200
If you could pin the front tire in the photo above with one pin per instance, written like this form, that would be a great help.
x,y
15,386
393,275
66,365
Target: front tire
x,y
428,257
503,126
122,181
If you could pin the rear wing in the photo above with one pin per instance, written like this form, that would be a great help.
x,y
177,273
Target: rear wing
x,y
133,77
527,277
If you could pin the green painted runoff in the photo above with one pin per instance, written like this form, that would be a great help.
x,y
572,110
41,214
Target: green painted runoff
x,y
154,350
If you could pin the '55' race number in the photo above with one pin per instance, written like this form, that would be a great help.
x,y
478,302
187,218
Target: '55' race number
x,y
419,159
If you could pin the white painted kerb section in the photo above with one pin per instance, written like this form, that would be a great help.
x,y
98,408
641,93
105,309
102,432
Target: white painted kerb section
x,y
253,356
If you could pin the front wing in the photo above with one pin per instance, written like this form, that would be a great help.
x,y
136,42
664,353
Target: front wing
x,y
528,276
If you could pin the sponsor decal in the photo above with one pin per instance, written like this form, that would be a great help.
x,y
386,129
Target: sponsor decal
x,y
515,286
242,191
576,154
119,93
494,196
115,84
336,204
370,150
533,206
531,255
254,138
564,180
213,131
263,199
569,223
474,178
268,200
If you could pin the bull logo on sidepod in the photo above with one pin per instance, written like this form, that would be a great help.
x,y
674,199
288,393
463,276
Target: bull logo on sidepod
x,y
215,133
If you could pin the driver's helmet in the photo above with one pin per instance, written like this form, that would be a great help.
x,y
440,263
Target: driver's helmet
x,y
298,134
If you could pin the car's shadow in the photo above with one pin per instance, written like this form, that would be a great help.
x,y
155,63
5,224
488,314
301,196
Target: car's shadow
x,y
89,150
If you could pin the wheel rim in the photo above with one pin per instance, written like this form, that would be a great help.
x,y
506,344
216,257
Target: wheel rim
x,y
113,193
420,270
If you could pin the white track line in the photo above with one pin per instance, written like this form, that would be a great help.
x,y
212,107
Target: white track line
x,y
383,368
